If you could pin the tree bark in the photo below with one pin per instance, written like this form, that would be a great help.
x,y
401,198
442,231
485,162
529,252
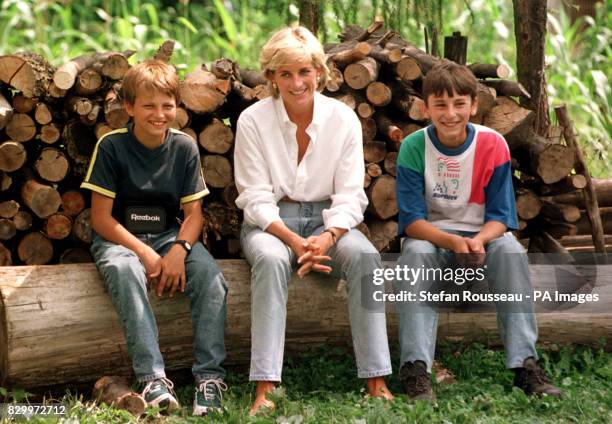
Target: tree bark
x,y
72,334
309,15
530,31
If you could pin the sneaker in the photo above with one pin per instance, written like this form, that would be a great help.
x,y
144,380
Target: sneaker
x,y
416,381
158,393
208,396
532,380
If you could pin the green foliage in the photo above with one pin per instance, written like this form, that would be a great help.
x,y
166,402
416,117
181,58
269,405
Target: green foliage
x,y
321,387
578,58
578,55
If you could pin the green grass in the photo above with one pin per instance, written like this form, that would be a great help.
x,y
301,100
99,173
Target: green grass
x,y
321,387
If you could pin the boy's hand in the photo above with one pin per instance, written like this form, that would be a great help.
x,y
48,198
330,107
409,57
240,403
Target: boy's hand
x,y
152,263
459,244
172,272
477,253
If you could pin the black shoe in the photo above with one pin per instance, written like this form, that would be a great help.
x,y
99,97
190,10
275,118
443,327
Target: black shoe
x,y
416,381
532,380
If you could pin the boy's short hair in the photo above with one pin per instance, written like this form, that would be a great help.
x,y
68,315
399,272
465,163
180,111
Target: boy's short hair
x,y
152,76
292,45
449,77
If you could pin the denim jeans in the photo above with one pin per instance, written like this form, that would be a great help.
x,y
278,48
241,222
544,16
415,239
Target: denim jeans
x,y
507,271
126,282
272,264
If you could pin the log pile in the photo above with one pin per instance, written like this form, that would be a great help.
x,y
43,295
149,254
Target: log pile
x,y
51,118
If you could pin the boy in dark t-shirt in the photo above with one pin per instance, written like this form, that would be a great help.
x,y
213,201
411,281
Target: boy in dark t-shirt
x,y
141,177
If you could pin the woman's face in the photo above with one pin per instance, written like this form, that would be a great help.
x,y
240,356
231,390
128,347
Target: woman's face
x,y
297,84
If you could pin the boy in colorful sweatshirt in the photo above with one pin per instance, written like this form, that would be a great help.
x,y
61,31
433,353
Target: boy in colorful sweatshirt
x,y
456,202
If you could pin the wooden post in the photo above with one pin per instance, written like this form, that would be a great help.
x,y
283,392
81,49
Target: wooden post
x,y
455,48
590,196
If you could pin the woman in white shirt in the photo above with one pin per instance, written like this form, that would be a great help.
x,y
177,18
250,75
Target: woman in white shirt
x,y
299,171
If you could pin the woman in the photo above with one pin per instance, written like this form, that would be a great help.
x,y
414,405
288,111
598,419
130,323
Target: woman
x,y
299,171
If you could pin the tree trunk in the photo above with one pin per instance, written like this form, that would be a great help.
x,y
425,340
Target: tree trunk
x,y
530,30
63,317
309,15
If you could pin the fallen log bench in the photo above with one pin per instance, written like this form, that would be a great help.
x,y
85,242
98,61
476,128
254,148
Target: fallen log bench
x,y
57,324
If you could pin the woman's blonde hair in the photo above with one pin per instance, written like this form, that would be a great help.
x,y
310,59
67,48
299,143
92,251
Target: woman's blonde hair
x,y
291,45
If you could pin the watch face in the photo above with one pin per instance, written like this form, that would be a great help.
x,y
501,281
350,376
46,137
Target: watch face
x,y
188,246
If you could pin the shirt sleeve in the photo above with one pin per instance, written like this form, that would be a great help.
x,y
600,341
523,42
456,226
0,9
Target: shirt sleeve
x,y
500,204
101,175
194,187
411,182
349,201
253,181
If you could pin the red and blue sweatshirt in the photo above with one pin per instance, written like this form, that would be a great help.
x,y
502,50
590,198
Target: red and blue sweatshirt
x,y
455,189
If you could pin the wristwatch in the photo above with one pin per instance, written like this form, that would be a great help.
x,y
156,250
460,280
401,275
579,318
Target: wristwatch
x,y
185,244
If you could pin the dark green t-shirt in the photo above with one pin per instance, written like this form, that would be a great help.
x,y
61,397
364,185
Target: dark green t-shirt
x,y
128,172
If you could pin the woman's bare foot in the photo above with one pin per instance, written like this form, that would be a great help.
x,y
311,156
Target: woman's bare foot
x,y
378,388
263,388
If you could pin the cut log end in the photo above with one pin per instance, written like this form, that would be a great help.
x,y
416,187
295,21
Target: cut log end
x,y
35,249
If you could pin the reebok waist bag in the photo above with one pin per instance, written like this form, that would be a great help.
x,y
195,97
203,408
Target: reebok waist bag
x,y
145,219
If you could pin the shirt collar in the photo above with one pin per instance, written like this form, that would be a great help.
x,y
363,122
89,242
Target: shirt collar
x,y
318,114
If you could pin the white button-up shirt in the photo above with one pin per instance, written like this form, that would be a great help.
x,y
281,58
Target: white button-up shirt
x,y
266,162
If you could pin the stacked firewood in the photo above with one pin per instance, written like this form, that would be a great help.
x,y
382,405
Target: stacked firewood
x,y
50,120
379,75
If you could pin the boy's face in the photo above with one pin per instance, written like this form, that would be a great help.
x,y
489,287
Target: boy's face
x,y
152,114
450,116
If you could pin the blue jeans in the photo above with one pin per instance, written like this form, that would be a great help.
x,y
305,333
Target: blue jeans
x,y
272,263
126,282
507,271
